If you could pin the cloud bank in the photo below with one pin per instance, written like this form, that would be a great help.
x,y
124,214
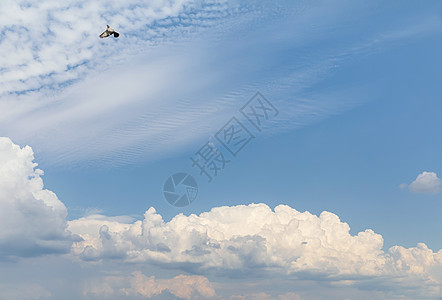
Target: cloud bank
x,y
227,241
233,241
180,287
138,284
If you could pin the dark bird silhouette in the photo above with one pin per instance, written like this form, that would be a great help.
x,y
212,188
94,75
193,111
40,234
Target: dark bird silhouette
x,y
109,31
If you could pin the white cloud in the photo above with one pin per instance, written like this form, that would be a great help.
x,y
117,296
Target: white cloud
x,y
47,44
181,286
426,182
52,58
32,219
239,237
226,241
51,87
236,240
167,84
138,284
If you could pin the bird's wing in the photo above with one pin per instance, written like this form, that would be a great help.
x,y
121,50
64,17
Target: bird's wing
x,y
105,34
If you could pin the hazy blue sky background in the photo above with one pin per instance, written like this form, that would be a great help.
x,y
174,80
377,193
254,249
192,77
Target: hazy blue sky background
x,y
357,85
351,163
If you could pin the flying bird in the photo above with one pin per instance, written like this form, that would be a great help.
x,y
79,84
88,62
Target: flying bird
x,y
109,31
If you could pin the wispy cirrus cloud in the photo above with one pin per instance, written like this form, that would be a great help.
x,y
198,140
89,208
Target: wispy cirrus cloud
x,y
177,73
48,45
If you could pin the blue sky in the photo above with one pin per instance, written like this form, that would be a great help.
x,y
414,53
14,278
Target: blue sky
x,y
351,163
357,86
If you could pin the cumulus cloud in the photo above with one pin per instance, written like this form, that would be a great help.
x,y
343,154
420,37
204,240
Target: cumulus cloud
x,y
235,240
226,241
426,182
32,219
239,237
138,284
